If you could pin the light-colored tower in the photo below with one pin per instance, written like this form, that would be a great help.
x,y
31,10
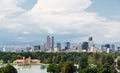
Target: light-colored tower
x,y
59,46
91,44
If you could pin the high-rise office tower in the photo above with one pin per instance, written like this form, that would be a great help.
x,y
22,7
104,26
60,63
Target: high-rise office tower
x,y
48,43
107,45
85,46
91,43
52,42
59,46
67,45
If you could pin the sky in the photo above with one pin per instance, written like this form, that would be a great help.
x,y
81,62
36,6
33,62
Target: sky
x,y
30,21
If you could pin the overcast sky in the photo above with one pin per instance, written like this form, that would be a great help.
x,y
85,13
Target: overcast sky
x,y
25,21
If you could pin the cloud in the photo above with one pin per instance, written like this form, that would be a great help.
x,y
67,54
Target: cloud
x,y
51,15
9,8
62,16
57,17
48,6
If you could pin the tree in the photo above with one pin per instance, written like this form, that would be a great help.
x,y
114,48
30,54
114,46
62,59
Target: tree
x,y
118,63
106,68
8,69
2,69
52,68
68,67
83,62
89,70
109,59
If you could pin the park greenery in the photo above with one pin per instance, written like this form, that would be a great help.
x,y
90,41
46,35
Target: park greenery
x,y
69,62
8,69
118,63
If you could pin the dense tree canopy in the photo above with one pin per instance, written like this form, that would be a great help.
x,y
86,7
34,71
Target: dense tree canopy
x,y
118,63
8,69
88,62
68,67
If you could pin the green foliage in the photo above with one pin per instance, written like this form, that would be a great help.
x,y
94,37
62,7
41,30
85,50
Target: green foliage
x,y
92,58
57,60
2,69
106,68
83,62
68,67
1,61
54,68
89,70
118,63
8,69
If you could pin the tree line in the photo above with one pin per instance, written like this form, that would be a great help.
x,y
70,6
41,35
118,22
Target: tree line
x,y
47,58
92,62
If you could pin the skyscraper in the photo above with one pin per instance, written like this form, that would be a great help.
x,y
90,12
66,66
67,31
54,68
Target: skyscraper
x,y
85,46
67,45
92,47
50,43
91,44
107,45
59,46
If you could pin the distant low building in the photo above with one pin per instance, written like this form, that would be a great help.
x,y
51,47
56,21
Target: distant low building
x,y
16,48
37,48
93,49
56,49
108,48
118,49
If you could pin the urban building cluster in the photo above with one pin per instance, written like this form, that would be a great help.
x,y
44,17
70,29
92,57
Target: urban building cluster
x,y
51,46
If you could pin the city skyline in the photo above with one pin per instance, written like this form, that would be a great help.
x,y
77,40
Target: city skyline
x,y
30,21
51,46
